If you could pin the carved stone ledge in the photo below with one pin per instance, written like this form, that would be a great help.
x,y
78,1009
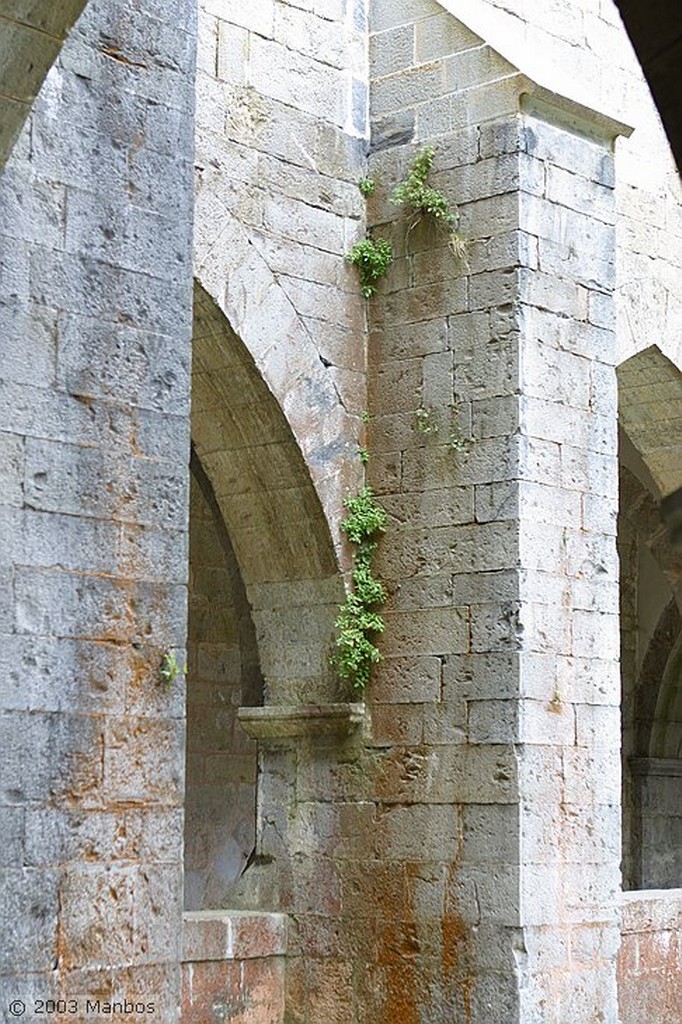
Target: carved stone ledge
x,y
283,721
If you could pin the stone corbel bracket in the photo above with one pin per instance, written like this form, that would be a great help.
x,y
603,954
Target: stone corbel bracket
x,y
274,723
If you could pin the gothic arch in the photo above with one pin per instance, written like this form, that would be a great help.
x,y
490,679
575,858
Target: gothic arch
x,y
666,730
272,512
650,414
230,269
34,34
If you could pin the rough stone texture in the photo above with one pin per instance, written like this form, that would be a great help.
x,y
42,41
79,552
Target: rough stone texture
x,y
512,353
581,50
572,870
281,125
457,858
650,959
95,294
233,967
32,36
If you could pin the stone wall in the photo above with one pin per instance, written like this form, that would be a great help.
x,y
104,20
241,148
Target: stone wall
x,y
281,140
510,674
95,293
32,36
650,961
433,864
582,50
456,854
233,968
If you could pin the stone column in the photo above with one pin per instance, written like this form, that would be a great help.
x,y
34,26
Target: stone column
x,y
568,726
95,301
494,438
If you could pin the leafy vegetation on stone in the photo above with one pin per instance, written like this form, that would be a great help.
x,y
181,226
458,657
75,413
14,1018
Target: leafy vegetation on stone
x,y
170,667
372,257
420,196
358,620
367,186
425,200
425,423
367,517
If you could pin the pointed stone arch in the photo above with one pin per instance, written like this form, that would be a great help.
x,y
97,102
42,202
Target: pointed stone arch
x,y
272,511
231,270
650,412
33,34
650,415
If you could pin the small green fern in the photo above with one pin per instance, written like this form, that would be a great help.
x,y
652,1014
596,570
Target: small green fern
x,y
358,621
372,257
424,200
421,197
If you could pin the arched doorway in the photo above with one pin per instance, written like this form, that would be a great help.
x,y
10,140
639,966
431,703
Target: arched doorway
x,y
651,625
264,593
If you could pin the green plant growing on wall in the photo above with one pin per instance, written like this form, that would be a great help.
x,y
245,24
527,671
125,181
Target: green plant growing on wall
x,y
372,257
367,186
170,668
358,620
425,201
425,424
456,439
457,442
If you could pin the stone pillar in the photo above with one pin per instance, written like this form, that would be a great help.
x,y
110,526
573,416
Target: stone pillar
x,y
95,305
494,448
568,725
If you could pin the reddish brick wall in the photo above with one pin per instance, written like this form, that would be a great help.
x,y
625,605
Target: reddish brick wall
x,y
233,967
650,959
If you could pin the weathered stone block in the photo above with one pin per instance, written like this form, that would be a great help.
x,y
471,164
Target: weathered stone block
x,y
258,18
392,50
29,898
308,85
422,302
445,723
485,218
406,88
11,468
551,143
486,102
386,14
407,680
417,832
497,501
473,67
12,823
490,891
17,322
490,834
396,725
82,606
489,371
573,191
436,631
558,295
